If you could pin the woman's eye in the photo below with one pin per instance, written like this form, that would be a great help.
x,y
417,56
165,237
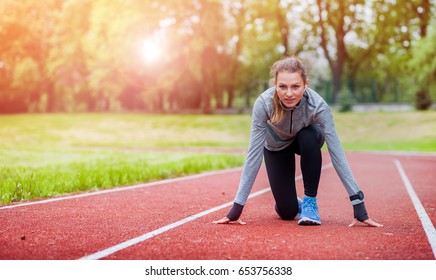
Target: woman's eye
x,y
295,87
283,87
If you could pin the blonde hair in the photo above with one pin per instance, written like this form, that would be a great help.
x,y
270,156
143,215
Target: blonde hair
x,y
290,64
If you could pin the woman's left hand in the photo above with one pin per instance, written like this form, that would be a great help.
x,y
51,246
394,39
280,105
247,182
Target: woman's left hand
x,y
369,222
226,220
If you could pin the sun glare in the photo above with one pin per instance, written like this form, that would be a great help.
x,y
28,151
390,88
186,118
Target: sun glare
x,y
151,50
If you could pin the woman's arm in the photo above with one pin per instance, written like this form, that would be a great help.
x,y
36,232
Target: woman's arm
x,y
325,119
253,160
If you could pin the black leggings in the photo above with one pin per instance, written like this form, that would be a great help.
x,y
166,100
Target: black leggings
x,y
280,166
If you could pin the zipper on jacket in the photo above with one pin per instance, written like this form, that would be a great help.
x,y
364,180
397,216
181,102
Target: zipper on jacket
x,y
290,127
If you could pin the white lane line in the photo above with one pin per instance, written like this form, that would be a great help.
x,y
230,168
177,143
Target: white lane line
x,y
148,235
131,242
428,226
126,188
402,153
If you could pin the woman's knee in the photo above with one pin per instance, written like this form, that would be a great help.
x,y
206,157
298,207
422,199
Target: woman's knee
x,y
286,214
311,135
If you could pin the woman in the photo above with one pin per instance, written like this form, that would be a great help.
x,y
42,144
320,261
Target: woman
x,y
290,119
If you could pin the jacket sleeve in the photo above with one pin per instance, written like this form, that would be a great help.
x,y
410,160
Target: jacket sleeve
x,y
325,119
254,158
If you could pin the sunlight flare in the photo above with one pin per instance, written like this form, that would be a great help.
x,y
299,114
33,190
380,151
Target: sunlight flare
x,y
151,50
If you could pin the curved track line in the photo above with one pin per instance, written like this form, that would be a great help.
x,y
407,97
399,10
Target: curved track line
x,y
148,235
429,229
126,188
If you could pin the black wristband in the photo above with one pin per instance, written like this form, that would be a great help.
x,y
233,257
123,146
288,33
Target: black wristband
x,y
359,195
235,212
360,212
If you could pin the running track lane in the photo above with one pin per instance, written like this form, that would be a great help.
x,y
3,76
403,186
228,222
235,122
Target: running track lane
x,y
74,228
78,226
267,237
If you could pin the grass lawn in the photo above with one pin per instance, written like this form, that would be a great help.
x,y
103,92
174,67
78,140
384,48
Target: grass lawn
x,y
401,131
48,155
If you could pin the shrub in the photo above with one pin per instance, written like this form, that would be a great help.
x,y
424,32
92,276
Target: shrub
x,y
422,100
346,100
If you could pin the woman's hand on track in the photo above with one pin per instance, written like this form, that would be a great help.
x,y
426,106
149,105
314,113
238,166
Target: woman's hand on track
x,y
226,220
369,222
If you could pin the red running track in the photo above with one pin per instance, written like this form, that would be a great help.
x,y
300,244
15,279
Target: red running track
x,y
172,219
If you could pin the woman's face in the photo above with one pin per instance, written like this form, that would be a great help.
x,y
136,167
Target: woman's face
x,y
290,88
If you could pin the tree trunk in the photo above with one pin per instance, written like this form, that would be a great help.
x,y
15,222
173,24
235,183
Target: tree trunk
x,y
51,98
231,96
337,83
283,27
336,64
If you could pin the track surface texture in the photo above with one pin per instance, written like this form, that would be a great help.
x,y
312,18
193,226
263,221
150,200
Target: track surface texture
x,y
172,219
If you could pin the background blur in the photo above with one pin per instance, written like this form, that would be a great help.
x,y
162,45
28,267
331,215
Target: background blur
x,y
209,56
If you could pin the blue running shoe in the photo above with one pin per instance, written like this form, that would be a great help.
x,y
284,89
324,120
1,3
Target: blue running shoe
x,y
309,212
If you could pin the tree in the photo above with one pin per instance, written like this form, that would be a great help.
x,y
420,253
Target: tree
x,y
399,24
423,67
333,20
83,55
24,34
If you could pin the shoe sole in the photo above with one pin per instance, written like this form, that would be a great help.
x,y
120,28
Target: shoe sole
x,y
308,222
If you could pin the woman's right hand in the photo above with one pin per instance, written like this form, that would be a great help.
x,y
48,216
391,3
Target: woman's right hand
x,y
226,220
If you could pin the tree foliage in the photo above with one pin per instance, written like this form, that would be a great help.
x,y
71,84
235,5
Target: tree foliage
x,y
89,55
422,67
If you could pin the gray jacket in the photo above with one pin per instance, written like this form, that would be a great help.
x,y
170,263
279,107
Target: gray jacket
x,y
312,109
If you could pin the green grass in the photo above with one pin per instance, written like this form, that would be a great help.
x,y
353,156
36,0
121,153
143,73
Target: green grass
x,y
402,131
49,155
48,175
122,130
